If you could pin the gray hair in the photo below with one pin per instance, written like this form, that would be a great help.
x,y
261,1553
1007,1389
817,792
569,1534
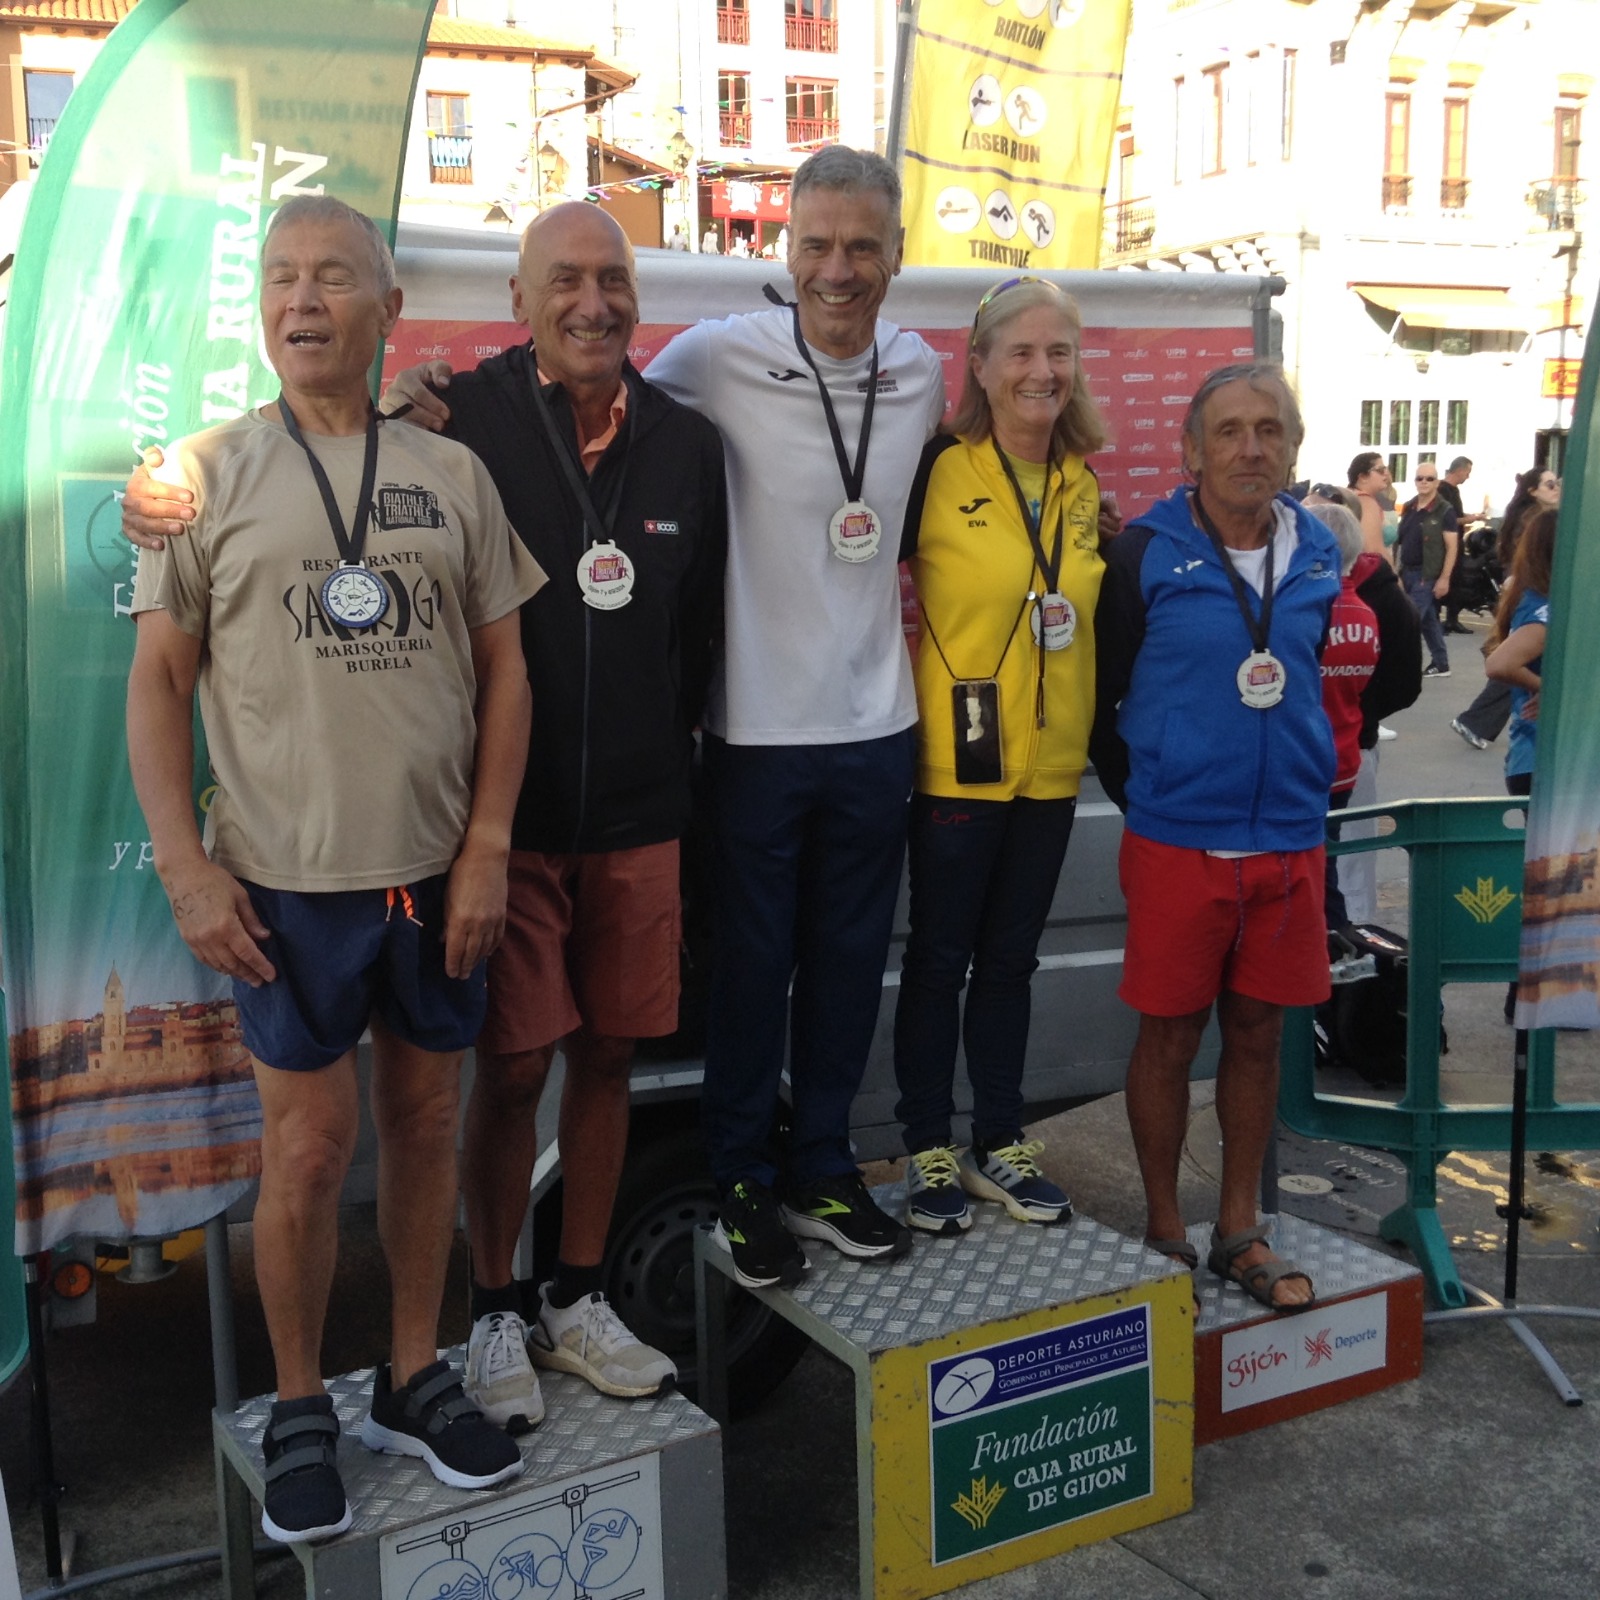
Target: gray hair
x,y
1459,463
325,208
1344,528
1259,375
840,167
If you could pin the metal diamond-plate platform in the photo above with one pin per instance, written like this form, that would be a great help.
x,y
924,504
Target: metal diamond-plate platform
x,y
998,1269
582,1429
1338,1264
583,1433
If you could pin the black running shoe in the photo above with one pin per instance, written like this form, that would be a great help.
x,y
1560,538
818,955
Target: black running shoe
x,y
430,1417
750,1228
839,1210
304,1498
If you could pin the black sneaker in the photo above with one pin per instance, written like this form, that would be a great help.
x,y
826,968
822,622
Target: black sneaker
x,y
430,1417
304,1498
838,1210
750,1228
1436,672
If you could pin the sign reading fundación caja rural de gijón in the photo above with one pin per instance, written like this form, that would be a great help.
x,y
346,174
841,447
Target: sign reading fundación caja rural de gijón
x,y
1039,1431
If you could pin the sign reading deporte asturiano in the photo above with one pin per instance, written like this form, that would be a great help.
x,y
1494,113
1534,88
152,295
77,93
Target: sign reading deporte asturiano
x,y
1039,1431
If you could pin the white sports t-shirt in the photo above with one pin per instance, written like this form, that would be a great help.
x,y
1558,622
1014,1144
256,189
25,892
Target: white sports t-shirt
x,y
814,649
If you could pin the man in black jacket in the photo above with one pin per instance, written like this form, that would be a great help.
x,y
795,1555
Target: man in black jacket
x,y
620,494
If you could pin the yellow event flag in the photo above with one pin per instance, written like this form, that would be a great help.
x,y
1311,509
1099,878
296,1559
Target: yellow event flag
x,y
1008,130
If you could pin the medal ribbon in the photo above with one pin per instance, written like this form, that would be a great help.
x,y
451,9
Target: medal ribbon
x,y
1258,627
853,476
599,526
1049,568
352,544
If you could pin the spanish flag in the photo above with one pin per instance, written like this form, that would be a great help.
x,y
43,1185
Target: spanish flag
x,y
1008,130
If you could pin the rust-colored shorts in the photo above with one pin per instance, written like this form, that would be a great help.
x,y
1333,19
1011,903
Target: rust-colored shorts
x,y
1199,924
590,939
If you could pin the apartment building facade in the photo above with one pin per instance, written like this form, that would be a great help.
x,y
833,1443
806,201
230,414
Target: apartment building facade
x,y
1415,170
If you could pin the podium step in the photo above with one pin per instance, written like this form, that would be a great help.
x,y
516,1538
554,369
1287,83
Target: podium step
x,y
1254,1366
1021,1390
620,1497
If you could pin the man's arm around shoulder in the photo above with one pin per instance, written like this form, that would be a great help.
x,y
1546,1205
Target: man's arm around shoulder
x,y
210,905
475,897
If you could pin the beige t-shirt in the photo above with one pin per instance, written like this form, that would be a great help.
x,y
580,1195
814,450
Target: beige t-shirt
x,y
343,758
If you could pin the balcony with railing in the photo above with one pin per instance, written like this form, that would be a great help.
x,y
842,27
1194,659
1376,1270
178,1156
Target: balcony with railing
x,y
449,157
733,27
39,131
1453,194
734,127
811,33
809,131
1396,191
1129,225
1555,202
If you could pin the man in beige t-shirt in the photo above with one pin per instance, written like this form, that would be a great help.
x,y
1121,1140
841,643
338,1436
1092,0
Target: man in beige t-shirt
x,y
347,605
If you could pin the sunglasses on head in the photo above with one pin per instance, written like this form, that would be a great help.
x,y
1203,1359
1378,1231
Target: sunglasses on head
x,y
998,290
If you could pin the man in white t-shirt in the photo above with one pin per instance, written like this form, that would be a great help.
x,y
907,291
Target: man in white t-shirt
x,y
823,410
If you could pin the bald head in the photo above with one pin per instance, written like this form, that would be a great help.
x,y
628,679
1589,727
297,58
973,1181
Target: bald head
x,y
576,292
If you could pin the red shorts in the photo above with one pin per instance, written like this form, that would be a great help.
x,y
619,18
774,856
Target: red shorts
x,y
591,940
1199,924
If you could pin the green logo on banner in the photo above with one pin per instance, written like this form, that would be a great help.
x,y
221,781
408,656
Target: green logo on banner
x,y
1039,1431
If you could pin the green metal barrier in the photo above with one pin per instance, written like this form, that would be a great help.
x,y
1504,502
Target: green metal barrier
x,y
1466,860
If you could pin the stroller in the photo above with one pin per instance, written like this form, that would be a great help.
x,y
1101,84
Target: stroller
x,y
1475,582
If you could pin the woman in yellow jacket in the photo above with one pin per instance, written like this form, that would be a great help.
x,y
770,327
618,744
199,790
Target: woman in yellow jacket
x,y
1002,538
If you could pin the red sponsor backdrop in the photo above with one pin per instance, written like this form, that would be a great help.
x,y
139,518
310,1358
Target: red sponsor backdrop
x,y
1142,379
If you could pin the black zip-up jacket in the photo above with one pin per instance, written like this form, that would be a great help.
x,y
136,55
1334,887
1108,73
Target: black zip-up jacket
x,y
616,694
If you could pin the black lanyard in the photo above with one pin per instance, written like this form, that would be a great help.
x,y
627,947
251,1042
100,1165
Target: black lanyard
x,y
853,477
1051,568
599,527
1258,627
352,544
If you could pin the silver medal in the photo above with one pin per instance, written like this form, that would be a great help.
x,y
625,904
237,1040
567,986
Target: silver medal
x,y
1262,678
1055,622
605,575
855,531
354,596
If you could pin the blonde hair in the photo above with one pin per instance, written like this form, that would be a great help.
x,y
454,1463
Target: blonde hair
x,y
1079,430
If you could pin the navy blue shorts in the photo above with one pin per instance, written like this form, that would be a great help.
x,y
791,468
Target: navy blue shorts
x,y
342,957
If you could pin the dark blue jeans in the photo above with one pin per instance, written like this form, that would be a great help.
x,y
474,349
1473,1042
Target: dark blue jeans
x,y
1419,591
810,842
983,875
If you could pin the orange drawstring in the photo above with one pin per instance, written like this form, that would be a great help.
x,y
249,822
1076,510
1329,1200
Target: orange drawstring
x,y
407,904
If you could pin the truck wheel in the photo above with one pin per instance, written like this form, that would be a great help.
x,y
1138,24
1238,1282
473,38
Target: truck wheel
x,y
665,1195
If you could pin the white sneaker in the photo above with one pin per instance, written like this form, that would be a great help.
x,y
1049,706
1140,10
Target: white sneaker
x,y
500,1380
588,1338
1385,732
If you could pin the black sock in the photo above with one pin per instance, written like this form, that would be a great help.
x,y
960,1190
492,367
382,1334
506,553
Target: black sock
x,y
485,1302
571,1284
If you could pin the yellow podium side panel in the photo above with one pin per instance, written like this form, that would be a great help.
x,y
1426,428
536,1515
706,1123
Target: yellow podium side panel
x,y
1014,1440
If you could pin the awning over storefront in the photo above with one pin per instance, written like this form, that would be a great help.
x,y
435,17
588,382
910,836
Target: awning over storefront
x,y
1429,307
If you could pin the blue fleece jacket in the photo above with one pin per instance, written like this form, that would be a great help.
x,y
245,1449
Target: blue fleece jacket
x,y
1188,762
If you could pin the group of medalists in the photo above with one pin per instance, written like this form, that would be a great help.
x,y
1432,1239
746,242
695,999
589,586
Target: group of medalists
x,y
451,677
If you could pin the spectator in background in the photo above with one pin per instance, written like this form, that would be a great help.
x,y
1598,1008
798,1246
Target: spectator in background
x,y
1450,484
710,245
1369,477
1348,661
1427,550
1538,489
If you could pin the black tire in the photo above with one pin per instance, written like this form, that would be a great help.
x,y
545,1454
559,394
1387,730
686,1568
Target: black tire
x,y
665,1195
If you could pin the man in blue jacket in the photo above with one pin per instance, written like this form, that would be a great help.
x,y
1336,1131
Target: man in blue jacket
x,y
1210,735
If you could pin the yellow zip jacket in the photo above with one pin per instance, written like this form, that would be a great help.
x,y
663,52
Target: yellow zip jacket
x,y
972,565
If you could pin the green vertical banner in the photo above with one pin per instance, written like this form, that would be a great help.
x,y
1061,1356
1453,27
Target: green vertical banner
x,y
132,321
1560,963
